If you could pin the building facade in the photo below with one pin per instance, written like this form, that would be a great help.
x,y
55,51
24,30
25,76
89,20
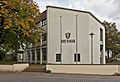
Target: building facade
x,y
69,37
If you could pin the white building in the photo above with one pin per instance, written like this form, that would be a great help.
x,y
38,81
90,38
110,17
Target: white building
x,y
70,37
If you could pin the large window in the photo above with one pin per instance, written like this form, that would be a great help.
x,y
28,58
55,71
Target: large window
x,y
33,55
44,53
101,34
58,57
76,57
38,54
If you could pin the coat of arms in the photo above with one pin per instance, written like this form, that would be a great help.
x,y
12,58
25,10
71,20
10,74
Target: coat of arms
x,y
67,35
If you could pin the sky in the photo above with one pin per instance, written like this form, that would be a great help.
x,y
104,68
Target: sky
x,y
108,10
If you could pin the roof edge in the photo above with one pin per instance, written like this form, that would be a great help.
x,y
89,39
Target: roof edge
x,y
77,11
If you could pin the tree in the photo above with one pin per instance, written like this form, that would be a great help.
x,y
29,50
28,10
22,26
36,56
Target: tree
x,y
18,20
112,40
2,54
118,43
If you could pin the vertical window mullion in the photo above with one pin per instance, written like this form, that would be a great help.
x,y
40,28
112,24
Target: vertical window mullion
x,y
74,57
78,57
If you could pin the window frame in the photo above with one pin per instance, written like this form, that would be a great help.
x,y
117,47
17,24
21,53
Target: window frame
x,y
58,57
101,34
77,57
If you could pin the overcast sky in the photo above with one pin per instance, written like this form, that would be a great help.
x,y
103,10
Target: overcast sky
x,y
108,10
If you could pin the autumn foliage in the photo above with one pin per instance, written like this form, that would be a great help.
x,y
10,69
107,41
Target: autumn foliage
x,y
18,20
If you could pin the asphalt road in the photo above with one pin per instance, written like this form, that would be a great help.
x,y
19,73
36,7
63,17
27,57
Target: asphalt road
x,y
42,77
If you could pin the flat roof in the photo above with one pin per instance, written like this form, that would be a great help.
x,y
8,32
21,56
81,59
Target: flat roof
x,y
78,11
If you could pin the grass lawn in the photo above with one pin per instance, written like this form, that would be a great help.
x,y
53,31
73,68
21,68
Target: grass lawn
x,y
7,62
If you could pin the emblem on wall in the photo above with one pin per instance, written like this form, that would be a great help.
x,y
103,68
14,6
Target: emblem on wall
x,y
67,40
67,35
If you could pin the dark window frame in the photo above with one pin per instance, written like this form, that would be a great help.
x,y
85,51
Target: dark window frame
x,y
74,57
101,34
77,57
58,57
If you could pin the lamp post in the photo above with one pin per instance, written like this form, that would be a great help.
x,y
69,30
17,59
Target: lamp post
x,y
91,34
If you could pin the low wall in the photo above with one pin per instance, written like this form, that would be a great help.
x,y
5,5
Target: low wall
x,y
6,67
13,68
84,69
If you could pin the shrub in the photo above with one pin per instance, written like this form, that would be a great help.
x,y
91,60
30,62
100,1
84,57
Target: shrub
x,y
2,54
48,71
116,74
111,60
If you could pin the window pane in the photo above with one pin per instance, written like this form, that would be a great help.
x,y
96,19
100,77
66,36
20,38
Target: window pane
x,y
78,57
58,57
33,55
44,52
38,54
74,57
101,34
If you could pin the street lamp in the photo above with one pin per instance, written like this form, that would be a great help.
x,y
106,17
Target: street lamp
x,y
91,34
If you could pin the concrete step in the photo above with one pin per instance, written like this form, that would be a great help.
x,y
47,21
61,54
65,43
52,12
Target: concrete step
x,y
35,69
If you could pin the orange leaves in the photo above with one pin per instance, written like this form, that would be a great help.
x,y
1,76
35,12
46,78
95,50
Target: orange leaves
x,y
19,17
6,27
30,20
4,2
26,33
119,37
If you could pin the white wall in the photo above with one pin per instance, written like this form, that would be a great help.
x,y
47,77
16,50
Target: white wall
x,y
14,67
84,69
6,67
94,27
85,25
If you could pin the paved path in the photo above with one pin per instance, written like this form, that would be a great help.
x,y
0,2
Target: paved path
x,y
42,77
